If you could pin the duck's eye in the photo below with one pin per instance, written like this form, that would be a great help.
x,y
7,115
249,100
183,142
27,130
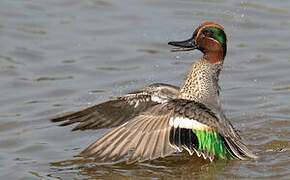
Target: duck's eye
x,y
207,33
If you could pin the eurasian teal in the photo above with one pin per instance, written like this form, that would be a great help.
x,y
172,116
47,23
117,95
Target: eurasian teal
x,y
162,119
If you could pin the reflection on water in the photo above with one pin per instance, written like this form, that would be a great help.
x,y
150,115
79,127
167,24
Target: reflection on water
x,y
176,166
61,56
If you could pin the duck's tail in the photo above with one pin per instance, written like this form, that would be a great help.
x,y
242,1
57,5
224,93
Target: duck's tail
x,y
237,149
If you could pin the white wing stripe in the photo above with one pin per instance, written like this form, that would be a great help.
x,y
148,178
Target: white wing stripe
x,y
157,99
187,123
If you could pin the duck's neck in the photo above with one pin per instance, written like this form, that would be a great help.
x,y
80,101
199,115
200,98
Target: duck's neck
x,y
201,84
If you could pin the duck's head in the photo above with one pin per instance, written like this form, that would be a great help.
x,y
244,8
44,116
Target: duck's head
x,y
210,38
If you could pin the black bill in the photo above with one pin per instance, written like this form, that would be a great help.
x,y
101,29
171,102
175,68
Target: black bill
x,y
186,45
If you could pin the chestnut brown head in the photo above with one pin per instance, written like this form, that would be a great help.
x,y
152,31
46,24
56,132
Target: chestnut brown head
x,y
210,38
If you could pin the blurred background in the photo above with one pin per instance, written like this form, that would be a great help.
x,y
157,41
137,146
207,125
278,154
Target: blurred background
x,y
59,56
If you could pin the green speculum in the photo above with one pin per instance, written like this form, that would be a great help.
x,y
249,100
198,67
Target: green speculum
x,y
220,36
212,141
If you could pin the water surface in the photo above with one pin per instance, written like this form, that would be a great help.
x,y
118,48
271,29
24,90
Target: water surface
x,y
60,56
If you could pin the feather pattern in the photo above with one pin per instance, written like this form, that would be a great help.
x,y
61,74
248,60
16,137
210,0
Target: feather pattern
x,y
210,141
211,137
151,135
117,111
161,119
145,137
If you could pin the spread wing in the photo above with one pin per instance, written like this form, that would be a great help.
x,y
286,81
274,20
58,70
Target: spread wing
x,y
117,111
165,128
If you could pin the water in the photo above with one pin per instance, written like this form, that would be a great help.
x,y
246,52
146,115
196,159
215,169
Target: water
x,y
60,56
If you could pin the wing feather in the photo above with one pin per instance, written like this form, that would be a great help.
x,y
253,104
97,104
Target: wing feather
x,y
117,111
154,133
143,136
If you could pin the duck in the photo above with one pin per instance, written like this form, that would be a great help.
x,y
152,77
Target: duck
x,y
162,119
